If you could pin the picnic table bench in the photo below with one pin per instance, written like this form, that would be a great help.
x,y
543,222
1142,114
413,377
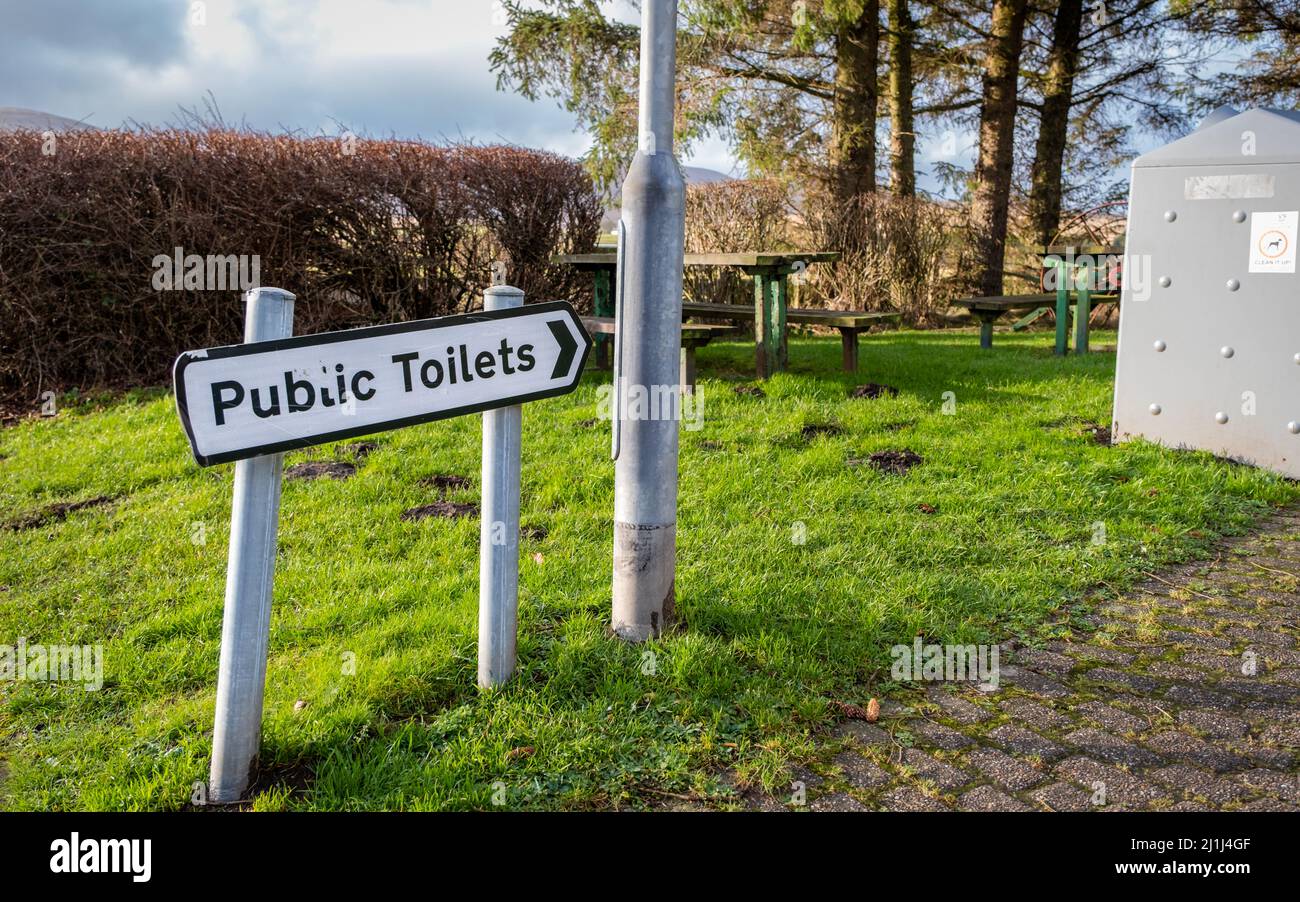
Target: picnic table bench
x,y
1073,290
989,310
694,335
848,322
770,271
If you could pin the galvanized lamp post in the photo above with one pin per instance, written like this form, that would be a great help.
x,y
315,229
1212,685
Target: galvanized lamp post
x,y
648,351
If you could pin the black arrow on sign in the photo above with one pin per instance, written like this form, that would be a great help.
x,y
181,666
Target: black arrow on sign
x,y
568,347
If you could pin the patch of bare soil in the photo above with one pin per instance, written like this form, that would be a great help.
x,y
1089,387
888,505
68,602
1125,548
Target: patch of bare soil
x,y
874,390
812,430
297,778
446,482
321,469
896,463
448,510
1100,434
56,513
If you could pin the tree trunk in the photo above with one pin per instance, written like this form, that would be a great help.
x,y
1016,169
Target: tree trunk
x,y
852,156
1054,124
902,138
992,192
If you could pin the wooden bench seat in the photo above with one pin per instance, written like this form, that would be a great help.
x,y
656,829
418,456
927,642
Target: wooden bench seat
x,y
989,310
849,322
694,335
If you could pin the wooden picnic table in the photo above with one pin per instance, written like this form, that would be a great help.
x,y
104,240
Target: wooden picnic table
x,y
770,271
694,335
1073,290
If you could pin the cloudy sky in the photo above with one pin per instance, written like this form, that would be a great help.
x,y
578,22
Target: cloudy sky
x,y
414,68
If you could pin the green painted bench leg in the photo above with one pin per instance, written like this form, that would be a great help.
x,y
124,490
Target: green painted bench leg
x,y
767,342
986,331
780,298
1062,309
849,342
603,304
1083,310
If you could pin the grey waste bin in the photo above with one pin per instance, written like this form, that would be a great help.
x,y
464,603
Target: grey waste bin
x,y
1209,338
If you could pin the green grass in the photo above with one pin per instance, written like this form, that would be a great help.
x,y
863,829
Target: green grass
x,y
374,618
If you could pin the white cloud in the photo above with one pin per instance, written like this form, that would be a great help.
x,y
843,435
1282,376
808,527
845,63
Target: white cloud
x,y
414,68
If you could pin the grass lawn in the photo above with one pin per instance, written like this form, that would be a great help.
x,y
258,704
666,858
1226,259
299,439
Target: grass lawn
x,y
370,697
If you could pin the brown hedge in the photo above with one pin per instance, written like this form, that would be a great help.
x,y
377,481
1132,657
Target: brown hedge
x,y
362,231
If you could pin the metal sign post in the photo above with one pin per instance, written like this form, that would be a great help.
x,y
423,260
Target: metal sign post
x,y
252,402
648,347
498,555
246,622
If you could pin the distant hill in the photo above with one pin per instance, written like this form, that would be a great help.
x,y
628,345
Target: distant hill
x,y
14,118
696,175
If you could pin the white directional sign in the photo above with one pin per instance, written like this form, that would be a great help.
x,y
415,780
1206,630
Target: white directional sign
x,y
244,400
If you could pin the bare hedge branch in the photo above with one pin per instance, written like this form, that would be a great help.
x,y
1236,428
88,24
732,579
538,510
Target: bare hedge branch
x,y
362,231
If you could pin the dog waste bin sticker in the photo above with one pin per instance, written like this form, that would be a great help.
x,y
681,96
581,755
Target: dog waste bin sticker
x,y
1272,241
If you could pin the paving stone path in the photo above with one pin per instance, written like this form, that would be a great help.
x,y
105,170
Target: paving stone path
x,y
1185,697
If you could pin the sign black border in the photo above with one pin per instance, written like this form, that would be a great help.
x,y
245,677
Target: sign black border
x,y
323,338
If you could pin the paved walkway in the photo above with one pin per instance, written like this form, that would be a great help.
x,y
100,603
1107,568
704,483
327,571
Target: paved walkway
x,y
1186,697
